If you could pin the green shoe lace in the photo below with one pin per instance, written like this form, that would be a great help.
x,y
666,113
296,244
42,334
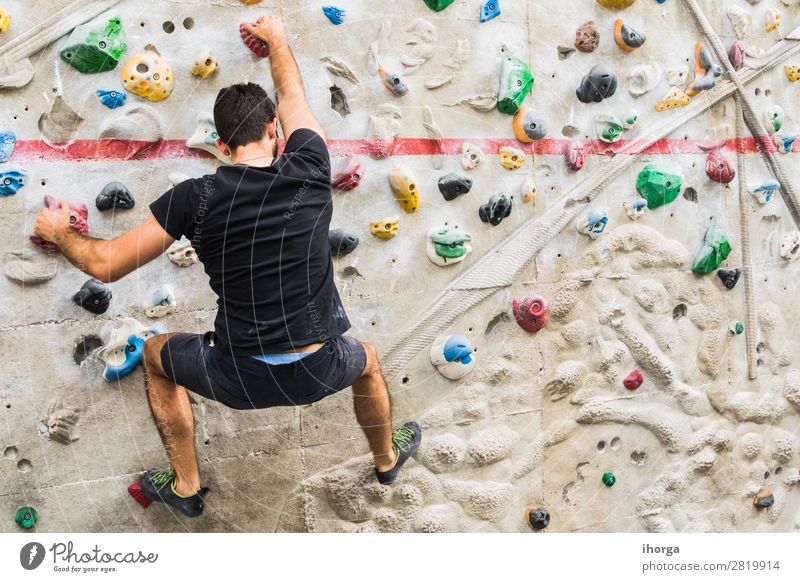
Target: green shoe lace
x,y
164,477
402,438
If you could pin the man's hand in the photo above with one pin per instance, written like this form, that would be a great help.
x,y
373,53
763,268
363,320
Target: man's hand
x,y
54,226
269,29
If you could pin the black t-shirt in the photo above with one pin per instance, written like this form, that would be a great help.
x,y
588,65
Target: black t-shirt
x,y
262,236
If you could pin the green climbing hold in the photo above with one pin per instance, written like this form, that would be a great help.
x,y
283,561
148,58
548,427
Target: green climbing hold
x,y
609,479
658,186
516,81
95,48
438,5
737,327
26,516
716,248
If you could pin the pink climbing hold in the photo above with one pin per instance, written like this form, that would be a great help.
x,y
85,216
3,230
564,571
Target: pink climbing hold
x,y
633,380
349,178
736,55
258,46
77,221
576,156
531,313
718,168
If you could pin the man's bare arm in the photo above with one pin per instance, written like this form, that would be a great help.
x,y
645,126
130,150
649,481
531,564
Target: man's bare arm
x,y
107,260
293,109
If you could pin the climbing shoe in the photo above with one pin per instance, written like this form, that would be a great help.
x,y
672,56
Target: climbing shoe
x,y
405,441
157,485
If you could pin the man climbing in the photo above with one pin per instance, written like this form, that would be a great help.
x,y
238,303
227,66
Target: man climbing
x,y
260,228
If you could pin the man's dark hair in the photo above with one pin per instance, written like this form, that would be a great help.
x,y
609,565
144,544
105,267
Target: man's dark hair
x,y
241,114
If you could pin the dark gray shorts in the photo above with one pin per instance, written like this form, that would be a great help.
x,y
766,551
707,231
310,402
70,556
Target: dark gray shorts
x,y
244,383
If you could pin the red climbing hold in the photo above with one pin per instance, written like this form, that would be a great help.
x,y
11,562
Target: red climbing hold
x,y
633,380
718,168
258,46
576,156
78,217
531,313
349,178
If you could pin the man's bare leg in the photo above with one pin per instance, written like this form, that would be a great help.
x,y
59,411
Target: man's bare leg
x,y
374,411
172,412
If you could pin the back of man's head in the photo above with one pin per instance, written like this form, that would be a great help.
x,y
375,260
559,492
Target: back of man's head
x,y
241,114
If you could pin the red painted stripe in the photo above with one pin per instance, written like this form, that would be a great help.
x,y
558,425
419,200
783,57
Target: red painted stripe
x,y
113,150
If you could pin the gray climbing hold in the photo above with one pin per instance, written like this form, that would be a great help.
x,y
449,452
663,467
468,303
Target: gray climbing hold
x,y
339,101
114,195
342,242
94,296
494,211
599,84
453,185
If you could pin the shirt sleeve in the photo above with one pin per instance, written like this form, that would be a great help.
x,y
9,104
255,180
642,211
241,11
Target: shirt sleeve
x,y
307,148
173,209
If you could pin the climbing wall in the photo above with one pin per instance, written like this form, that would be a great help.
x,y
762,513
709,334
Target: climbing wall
x,y
662,393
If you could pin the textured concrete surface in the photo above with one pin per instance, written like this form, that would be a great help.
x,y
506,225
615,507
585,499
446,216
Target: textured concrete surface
x,y
543,416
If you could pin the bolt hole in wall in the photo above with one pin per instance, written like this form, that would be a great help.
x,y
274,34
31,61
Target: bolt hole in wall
x,y
679,311
406,380
168,26
188,23
601,447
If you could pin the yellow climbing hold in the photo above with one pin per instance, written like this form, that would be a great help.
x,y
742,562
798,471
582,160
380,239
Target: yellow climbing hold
x,y
772,20
675,98
148,75
619,4
511,158
404,187
792,72
386,228
205,64
5,21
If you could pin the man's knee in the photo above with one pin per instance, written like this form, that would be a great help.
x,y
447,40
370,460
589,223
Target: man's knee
x,y
372,367
151,356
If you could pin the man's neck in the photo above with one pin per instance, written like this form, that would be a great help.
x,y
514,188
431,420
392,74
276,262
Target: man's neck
x,y
260,154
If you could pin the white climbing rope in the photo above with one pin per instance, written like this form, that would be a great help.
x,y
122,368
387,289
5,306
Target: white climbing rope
x,y
500,266
747,263
788,191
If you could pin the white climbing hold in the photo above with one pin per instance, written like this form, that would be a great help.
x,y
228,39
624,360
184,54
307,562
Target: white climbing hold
x,y
471,156
740,20
424,37
790,246
205,137
340,69
29,266
644,77
451,66
58,126
182,253
161,303
384,125
435,133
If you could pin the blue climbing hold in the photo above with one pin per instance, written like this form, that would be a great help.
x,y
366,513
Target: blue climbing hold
x,y
7,141
490,10
111,98
11,181
457,348
785,143
133,357
334,14
134,350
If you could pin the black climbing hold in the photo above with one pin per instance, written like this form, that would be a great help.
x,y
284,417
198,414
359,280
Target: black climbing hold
x,y
729,277
114,195
342,242
600,83
494,211
537,517
453,185
94,296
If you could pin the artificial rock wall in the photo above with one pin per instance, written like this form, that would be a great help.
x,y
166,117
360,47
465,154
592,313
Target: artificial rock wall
x,y
542,416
